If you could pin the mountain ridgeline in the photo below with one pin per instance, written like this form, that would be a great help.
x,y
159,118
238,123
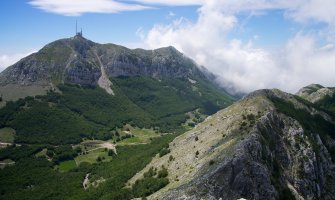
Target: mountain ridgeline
x,y
81,120
269,145
80,61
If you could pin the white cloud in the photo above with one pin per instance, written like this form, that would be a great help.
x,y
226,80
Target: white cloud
x,y
7,60
315,10
79,7
171,2
171,15
307,63
242,67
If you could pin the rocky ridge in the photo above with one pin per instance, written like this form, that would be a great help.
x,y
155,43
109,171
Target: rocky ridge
x,y
315,92
250,150
80,61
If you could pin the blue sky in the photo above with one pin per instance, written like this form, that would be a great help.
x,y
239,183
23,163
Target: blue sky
x,y
249,44
26,27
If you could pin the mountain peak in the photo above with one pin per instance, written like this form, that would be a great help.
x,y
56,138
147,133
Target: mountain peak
x,y
77,60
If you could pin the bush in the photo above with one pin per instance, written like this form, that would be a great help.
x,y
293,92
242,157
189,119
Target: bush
x,y
78,149
111,152
164,151
149,183
211,162
150,173
162,173
171,158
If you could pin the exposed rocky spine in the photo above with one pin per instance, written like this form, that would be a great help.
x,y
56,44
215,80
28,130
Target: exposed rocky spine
x,y
251,150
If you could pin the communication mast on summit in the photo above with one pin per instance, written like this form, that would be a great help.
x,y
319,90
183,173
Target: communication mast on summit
x,y
81,30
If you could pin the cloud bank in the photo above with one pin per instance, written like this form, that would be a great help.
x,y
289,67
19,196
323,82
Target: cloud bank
x,y
7,60
79,7
243,67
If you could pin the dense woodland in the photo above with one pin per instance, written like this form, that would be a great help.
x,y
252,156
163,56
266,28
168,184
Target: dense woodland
x,y
36,178
78,112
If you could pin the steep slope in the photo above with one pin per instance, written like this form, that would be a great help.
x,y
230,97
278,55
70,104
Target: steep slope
x,y
270,145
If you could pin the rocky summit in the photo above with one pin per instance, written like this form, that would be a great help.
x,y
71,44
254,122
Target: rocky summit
x,y
78,60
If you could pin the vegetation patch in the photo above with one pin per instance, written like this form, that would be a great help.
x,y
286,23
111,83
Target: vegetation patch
x,y
328,102
7,135
35,178
151,182
139,136
67,165
97,155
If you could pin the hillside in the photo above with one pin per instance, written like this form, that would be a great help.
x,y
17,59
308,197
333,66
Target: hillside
x,y
77,89
269,145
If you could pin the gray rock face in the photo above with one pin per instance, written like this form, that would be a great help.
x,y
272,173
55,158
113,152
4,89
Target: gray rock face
x,y
82,73
165,62
75,60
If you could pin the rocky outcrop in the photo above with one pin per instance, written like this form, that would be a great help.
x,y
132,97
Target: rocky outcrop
x,y
250,150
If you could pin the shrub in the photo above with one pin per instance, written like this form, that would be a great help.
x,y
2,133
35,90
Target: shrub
x,y
111,152
162,173
171,158
164,151
150,173
211,162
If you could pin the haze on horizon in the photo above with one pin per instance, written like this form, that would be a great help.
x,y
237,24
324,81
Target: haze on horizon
x,y
285,44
